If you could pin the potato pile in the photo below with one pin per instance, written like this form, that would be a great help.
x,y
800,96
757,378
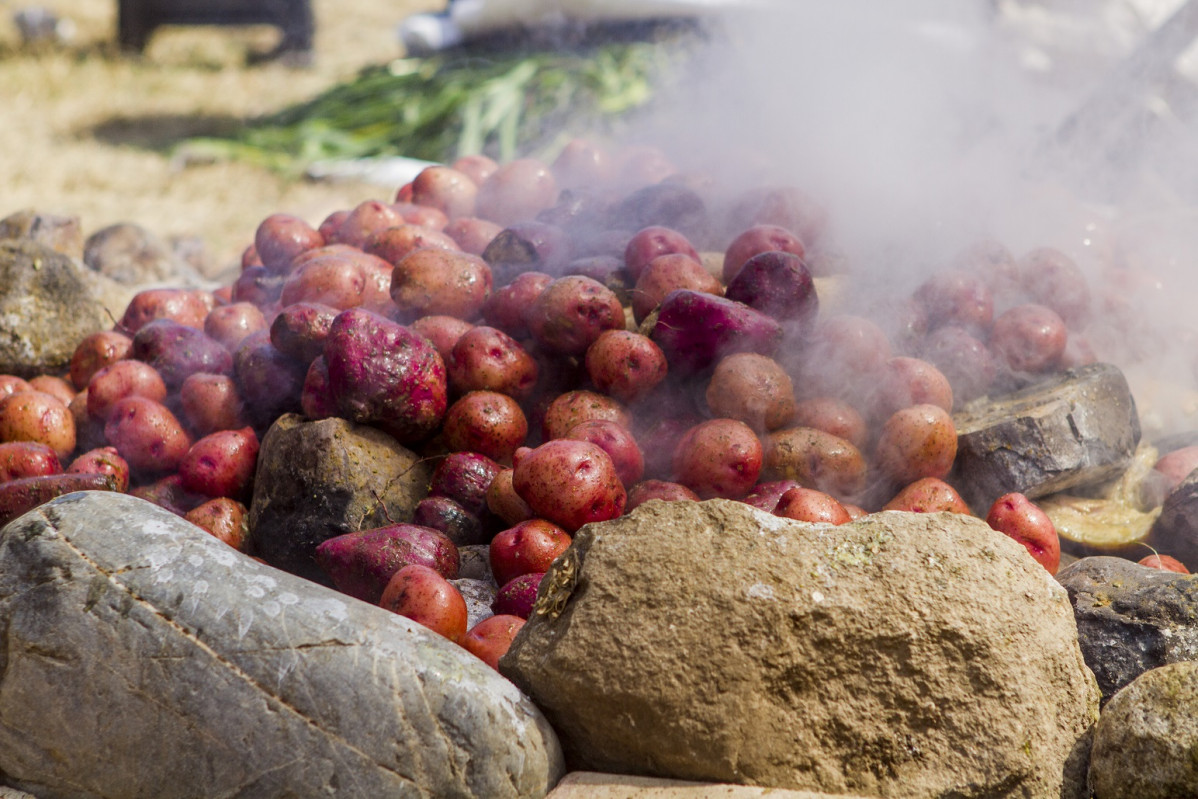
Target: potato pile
x,y
567,342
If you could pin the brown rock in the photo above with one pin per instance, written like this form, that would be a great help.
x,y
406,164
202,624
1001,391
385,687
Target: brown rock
x,y
317,480
62,234
133,256
594,785
901,655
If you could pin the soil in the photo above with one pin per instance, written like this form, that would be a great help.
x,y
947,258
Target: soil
x,y
91,132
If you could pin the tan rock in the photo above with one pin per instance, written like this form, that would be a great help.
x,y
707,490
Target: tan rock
x,y
902,655
595,785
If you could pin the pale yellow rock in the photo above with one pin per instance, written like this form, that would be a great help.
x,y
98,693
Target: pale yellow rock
x,y
595,785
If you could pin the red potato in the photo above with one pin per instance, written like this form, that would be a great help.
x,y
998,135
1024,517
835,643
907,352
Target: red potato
x,y
582,164
571,313
11,384
650,243
1017,517
506,306
504,502
994,263
843,357
529,547
1176,466
472,234
765,496
224,518
446,189
516,191
343,280
928,495
572,408
420,594
617,442
37,416
435,281
147,435
570,483
89,431
487,359
753,389
834,416
815,459
54,386
442,331
210,403
625,365
916,442
756,240
102,460
963,359
957,297
486,422
491,638
250,258
230,324
1052,278
642,165
809,505
667,273
186,306
27,459
176,351
221,464
168,492
299,330
1164,563
906,381
18,497
1029,338
393,243
422,216
123,379
361,563
518,597
787,207
477,167
363,221
664,490
382,373
281,237
718,458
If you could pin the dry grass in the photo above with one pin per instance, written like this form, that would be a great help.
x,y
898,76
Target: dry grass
x,y
88,132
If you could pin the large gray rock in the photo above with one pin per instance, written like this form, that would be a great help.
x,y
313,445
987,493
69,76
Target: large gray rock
x,y
144,658
1146,740
903,655
1076,429
317,480
1131,618
46,307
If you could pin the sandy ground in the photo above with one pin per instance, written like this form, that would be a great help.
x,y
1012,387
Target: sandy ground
x,y
87,131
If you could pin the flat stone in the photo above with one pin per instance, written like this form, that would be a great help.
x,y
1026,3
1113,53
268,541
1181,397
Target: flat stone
x,y
902,655
1145,741
317,480
46,308
1131,618
1078,428
144,658
595,785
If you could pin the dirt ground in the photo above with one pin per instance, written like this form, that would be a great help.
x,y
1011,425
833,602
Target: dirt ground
x,y
87,131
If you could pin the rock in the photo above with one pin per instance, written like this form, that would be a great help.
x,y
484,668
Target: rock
x,y
1131,618
46,307
143,657
1175,531
133,256
479,594
593,785
476,562
317,480
1076,429
1145,741
62,234
902,655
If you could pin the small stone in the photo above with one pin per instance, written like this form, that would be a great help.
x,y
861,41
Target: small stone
x,y
1078,428
60,233
133,256
479,594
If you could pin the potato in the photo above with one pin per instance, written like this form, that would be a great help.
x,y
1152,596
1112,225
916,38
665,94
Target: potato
x,y
446,189
1164,563
472,234
625,365
393,243
695,330
928,495
528,547
435,281
168,492
230,324
89,431
486,422
844,355
518,596
487,359
425,597
280,238
464,477
341,279
102,460
916,442
504,502
268,382
1017,517
963,359
18,497
476,166
815,459
361,563
765,496
809,505
221,464
582,163
506,306
146,434
516,191
54,386
664,490
756,240
363,221
300,329
226,519
571,313
778,284
718,458
1029,338
834,416
957,297
667,273
459,525
433,219
753,389
650,243
490,639
257,286
570,483
185,306
27,459
906,381
442,331
11,384
1052,278
176,351
617,442
572,408
316,396
37,416
211,402
783,206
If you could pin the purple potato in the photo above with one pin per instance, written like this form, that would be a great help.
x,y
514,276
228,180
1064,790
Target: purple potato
x,y
461,526
361,563
177,351
695,330
465,477
270,383
518,596
300,329
778,284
